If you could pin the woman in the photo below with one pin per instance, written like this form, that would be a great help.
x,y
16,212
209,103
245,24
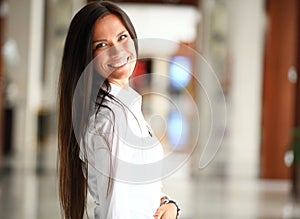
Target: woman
x,y
102,132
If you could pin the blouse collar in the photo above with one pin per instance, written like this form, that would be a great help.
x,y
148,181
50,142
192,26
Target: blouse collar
x,y
127,95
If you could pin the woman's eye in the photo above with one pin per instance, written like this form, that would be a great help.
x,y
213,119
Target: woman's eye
x,y
122,37
100,45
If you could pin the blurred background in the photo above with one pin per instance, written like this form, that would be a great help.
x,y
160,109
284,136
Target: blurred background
x,y
253,47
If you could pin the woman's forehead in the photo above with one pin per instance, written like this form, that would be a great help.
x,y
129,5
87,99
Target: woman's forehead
x,y
110,25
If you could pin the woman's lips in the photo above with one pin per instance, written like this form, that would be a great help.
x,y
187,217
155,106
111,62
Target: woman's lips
x,y
119,64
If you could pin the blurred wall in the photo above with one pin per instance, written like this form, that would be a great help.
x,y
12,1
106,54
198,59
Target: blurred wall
x,y
245,105
241,27
19,29
280,85
25,64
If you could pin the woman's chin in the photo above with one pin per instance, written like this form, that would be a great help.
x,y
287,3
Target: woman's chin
x,y
120,76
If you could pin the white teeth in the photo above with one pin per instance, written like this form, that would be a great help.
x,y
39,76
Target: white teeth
x,y
117,65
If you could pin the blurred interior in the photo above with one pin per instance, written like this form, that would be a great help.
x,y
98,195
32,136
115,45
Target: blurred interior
x,y
253,49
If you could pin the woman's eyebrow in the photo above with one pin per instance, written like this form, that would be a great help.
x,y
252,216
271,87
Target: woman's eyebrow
x,y
100,40
119,34
122,32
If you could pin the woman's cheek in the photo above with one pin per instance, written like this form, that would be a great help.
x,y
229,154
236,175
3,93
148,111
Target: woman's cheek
x,y
100,62
130,48
101,70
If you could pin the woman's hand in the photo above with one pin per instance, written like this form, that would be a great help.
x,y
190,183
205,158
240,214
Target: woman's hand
x,y
167,211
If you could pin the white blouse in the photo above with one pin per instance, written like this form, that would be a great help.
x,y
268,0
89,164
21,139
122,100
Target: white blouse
x,y
123,158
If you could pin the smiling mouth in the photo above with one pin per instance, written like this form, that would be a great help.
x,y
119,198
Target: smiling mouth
x,y
119,64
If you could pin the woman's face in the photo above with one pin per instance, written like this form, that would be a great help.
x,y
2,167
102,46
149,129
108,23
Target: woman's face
x,y
114,50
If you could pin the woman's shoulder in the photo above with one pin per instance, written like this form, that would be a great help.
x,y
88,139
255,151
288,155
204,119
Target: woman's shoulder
x,y
101,120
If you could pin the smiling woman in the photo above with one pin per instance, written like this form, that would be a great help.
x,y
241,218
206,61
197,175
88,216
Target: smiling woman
x,y
114,49
105,145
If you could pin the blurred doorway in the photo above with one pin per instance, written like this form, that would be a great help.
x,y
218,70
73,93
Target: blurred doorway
x,y
2,22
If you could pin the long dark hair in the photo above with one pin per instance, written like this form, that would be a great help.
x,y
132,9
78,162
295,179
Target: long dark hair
x,y
77,54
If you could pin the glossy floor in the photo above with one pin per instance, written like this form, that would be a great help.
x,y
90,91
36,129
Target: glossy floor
x,y
32,194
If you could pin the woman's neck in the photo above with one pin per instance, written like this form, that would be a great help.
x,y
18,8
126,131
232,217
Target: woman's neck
x,y
120,83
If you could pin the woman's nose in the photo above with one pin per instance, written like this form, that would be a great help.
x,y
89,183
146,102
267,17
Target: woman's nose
x,y
115,49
